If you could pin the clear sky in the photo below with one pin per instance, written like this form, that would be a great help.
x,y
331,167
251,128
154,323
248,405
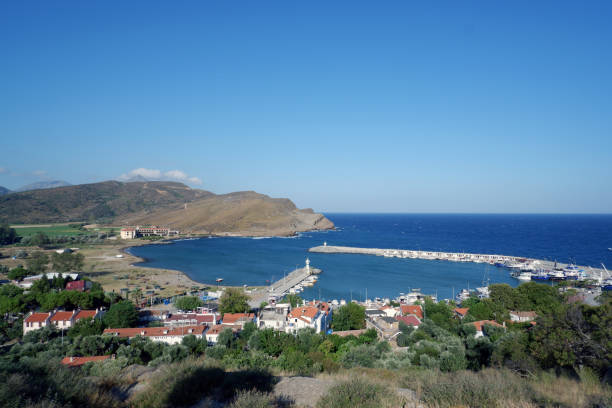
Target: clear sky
x,y
372,106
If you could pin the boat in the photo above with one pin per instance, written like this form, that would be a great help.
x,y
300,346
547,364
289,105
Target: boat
x,y
463,295
556,275
540,275
219,280
524,276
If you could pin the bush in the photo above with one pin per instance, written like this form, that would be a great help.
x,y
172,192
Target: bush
x,y
358,393
253,399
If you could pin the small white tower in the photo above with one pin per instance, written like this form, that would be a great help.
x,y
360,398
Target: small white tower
x,y
325,243
308,265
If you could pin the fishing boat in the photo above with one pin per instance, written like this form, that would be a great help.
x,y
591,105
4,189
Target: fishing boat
x,y
524,276
540,275
556,275
463,295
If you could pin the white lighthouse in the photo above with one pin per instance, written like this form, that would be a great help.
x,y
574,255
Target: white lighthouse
x,y
308,265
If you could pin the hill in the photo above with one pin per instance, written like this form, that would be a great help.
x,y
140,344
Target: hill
x,y
39,185
162,203
4,190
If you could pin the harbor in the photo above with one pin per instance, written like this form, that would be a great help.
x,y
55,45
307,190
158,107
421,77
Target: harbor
x,y
292,283
522,268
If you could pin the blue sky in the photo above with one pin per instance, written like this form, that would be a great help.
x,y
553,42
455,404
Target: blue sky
x,y
351,106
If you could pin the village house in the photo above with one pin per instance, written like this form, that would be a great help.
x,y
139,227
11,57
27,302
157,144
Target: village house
x,y
79,285
374,313
237,319
410,320
480,326
152,315
274,317
64,320
35,321
522,317
389,310
415,310
79,361
28,281
212,334
461,312
387,323
161,334
303,317
191,319
326,309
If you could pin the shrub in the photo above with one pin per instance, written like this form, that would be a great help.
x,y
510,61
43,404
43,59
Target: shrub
x,y
358,393
253,399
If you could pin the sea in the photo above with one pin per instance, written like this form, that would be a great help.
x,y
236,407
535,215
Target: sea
x,y
580,239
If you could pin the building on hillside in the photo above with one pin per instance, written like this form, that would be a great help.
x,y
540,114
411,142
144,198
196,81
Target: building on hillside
x,y
410,320
237,319
63,320
35,321
161,334
79,361
128,233
374,313
480,326
461,312
387,323
151,315
139,231
191,319
303,317
415,310
522,317
274,317
326,309
28,281
79,285
389,310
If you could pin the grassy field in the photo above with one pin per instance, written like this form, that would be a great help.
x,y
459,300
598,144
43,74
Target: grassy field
x,y
52,230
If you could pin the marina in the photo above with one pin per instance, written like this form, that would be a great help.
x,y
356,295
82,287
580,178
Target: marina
x,y
523,269
292,283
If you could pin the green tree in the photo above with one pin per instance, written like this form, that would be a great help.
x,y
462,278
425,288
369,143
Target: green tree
x,y
17,273
86,327
233,300
293,299
39,239
349,317
67,262
121,314
37,263
188,303
8,235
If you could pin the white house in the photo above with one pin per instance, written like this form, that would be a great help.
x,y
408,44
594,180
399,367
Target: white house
x,y
305,317
35,321
161,334
274,317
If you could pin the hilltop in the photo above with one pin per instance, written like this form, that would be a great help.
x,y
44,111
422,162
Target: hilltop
x,y
39,185
4,190
164,203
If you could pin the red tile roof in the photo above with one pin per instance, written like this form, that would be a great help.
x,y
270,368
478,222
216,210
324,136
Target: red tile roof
x,y
412,310
76,285
216,329
59,316
198,318
79,361
410,320
37,317
304,311
481,323
156,331
84,314
461,311
230,318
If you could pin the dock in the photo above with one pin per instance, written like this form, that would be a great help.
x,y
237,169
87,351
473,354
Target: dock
x,y
593,273
281,287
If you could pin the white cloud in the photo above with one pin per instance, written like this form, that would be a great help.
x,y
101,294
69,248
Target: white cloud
x,y
39,173
154,174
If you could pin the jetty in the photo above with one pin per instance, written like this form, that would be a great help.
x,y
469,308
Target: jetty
x,y
277,290
593,273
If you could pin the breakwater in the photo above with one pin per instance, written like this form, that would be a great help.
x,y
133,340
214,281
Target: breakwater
x,y
280,288
593,273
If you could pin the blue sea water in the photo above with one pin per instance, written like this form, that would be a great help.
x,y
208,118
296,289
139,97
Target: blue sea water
x,y
583,239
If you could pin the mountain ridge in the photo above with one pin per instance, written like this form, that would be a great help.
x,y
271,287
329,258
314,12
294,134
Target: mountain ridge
x,y
166,203
40,185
